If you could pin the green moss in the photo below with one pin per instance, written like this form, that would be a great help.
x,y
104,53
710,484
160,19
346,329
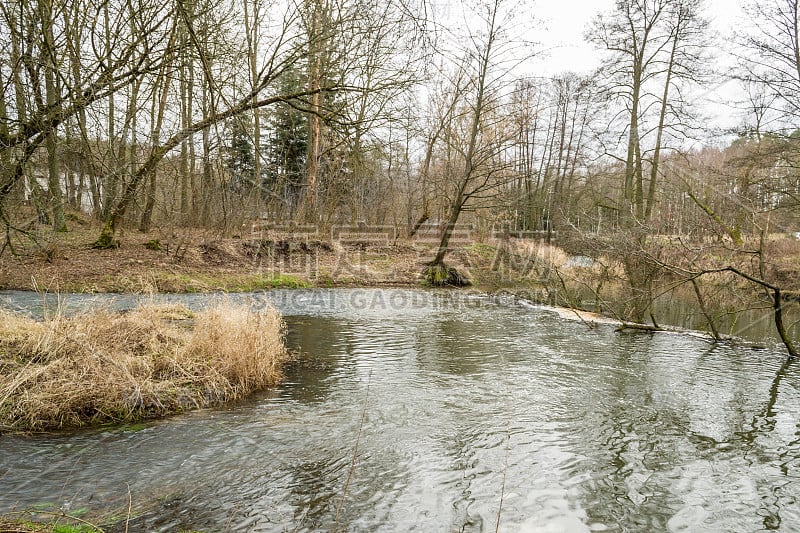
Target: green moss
x,y
106,239
441,275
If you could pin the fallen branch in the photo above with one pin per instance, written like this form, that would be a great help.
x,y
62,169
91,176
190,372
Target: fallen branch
x,y
640,327
777,304
702,304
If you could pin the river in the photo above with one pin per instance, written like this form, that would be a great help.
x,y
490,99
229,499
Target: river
x,y
438,412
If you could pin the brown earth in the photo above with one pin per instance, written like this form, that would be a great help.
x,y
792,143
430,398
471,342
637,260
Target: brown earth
x,y
197,261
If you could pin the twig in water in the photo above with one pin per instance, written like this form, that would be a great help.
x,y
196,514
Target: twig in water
x,y
230,516
355,455
130,506
505,472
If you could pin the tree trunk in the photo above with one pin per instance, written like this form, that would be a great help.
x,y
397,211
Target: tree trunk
x,y
251,31
651,189
186,120
111,185
52,97
314,127
459,199
157,109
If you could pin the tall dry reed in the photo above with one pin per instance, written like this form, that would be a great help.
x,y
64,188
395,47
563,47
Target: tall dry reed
x,y
104,366
541,254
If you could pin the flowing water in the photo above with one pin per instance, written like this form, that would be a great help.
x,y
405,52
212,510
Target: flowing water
x,y
426,411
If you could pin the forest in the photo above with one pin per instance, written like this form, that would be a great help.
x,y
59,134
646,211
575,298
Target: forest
x,y
411,113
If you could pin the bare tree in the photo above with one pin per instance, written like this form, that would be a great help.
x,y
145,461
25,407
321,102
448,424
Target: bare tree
x,y
687,52
652,43
633,34
476,132
291,47
107,66
771,56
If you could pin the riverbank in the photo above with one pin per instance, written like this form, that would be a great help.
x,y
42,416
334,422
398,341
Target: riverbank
x,y
107,367
196,261
190,260
576,274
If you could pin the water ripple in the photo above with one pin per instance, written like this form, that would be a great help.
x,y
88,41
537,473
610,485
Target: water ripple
x,y
415,411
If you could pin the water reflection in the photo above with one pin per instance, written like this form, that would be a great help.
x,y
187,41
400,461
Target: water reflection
x,y
679,308
321,345
414,415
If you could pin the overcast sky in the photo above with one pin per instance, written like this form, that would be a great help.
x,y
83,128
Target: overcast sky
x,y
566,20
557,27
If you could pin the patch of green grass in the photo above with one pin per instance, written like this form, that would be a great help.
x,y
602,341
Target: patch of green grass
x,y
325,280
285,281
181,283
29,526
177,283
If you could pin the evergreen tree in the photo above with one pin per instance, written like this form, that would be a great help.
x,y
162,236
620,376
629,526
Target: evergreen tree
x,y
285,169
240,158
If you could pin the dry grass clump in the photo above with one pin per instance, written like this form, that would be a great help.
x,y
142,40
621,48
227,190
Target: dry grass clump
x,y
104,366
543,254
